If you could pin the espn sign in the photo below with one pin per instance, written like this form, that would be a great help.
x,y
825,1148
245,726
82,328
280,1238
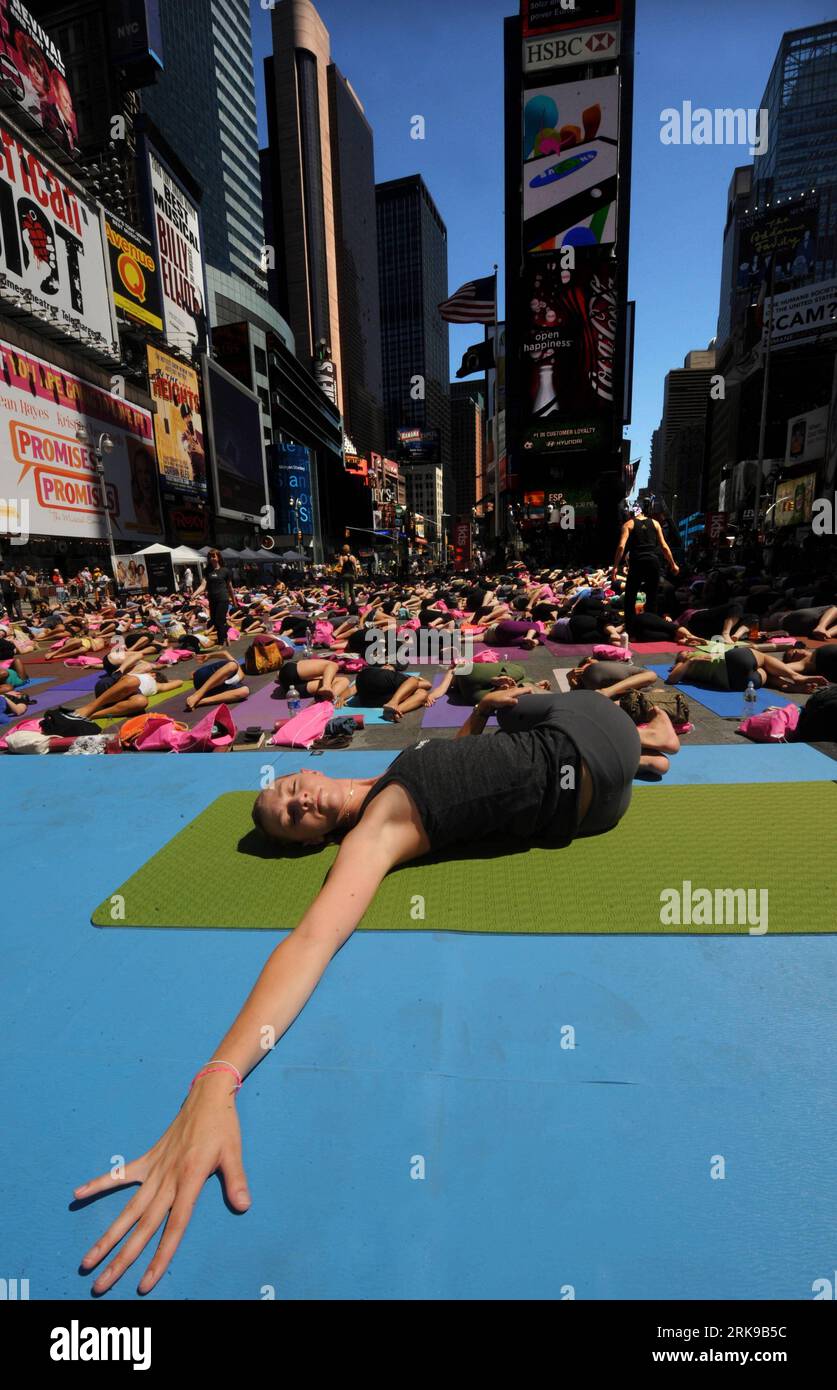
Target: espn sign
x,y
568,50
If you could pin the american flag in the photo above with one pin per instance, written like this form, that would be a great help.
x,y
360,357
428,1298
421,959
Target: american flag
x,y
472,303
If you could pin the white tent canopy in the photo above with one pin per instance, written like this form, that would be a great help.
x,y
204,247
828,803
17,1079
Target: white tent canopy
x,y
185,555
156,550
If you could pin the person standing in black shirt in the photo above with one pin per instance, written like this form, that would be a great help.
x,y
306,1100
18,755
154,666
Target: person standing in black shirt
x,y
646,546
219,590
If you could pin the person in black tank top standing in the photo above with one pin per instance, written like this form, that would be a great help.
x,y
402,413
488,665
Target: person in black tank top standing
x,y
217,585
646,547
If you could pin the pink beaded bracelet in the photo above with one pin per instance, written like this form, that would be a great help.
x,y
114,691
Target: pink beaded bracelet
x,y
218,1065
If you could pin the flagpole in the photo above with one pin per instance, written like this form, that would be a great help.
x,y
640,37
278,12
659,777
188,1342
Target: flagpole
x,y
764,395
494,421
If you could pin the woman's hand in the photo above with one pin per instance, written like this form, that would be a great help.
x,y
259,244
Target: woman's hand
x,y
204,1137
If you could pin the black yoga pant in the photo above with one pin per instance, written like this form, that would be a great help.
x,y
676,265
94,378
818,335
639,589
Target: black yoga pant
x,y
218,618
708,622
644,574
802,621
585,628
650,627
377,684
742,668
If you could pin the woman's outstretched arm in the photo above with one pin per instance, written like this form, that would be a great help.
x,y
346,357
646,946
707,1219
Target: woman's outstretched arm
x,y
205,1136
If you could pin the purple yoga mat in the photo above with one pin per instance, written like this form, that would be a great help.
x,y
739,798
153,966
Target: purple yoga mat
x,y
444,715
572,651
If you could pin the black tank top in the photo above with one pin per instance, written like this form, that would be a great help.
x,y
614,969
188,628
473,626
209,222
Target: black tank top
x,y
642,541
511,785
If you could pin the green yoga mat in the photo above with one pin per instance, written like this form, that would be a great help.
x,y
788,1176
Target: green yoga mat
x,y
218,872
161,698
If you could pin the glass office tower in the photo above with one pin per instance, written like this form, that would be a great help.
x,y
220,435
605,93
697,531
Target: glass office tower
x,y
413,277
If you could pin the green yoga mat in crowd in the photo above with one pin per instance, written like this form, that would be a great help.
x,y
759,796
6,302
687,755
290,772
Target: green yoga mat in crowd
x,y
219,872
162,697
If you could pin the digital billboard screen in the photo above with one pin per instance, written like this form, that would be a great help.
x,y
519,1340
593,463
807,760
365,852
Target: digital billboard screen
x,y
236,445
570,164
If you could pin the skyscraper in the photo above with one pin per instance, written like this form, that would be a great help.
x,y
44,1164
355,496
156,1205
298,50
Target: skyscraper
x,y
205,105
801,156
318,186
413,275
683,434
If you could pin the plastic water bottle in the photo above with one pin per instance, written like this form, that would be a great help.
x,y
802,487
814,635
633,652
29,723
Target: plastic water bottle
x,y
749,700
640,601
294,702
307,650
624,639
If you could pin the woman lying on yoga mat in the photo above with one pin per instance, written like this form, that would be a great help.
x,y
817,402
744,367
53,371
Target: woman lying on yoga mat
x,y
395,693
119,694
818,623
218,680
468,687
561,768
736,667
314,676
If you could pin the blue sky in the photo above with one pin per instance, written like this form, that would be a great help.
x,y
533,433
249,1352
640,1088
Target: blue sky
x,y
443,59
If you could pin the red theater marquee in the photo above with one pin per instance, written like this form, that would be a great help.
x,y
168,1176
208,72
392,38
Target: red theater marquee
x,y
547,16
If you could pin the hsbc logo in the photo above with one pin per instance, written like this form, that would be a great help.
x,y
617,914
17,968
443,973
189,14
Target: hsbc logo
x,y
565,50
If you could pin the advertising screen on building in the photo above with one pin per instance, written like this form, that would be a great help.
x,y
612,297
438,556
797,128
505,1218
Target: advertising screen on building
x,y
801,316
178,425
52,255
789,235
32,75
795,501
807,435
135,31
419,446
570,164
545,16
234,422
134,273
177,227
569,345
43,464
290,476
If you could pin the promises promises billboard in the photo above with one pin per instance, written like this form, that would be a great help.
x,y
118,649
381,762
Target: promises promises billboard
x,y
32,75
177,226
178,426
51,248
570,164
43,463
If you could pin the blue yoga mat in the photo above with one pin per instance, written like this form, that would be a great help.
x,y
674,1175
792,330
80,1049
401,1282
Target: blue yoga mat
x,y
729,704
705,764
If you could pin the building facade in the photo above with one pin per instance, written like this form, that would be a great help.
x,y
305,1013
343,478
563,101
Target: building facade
x,y
413,277
467,455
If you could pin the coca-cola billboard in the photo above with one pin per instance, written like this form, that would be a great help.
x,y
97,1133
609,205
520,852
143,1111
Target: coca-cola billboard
x,y
569,348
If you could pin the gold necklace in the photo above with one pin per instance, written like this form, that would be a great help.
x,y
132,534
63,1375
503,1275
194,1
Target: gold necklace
x,y
346,802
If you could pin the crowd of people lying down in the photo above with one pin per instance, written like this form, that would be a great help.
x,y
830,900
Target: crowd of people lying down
x,y
730,629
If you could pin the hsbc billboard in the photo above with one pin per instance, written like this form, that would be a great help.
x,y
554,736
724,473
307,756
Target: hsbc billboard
x,y
568,49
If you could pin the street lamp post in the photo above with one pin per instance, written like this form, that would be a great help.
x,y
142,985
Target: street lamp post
x,y
98,450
